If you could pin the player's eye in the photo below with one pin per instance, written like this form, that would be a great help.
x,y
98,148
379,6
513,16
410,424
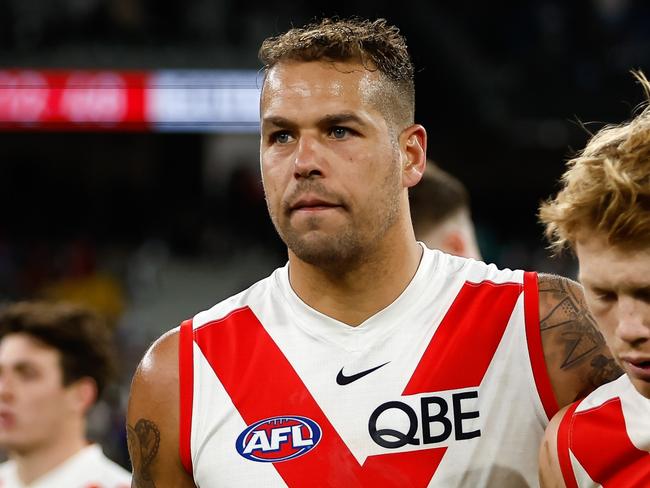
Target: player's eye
x,y
606,296
643,295
27,373
281,137
339,132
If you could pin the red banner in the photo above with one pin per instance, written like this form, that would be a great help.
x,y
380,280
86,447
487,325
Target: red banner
x,y
94,100
172,100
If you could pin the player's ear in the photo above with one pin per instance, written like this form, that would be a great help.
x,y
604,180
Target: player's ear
x,y
413,147
82,394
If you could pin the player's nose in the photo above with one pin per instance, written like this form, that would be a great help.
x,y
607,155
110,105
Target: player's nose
x,y
633,325
6,388
307,158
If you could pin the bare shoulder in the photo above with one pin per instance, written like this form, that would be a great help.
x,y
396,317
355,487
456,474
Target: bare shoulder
x,y
550,474
153,418
158,368
577,358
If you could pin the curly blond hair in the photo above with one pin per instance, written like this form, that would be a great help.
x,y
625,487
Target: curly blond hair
x,y
377,45
606,187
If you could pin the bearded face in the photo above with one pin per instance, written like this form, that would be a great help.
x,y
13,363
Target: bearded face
x,y
330,164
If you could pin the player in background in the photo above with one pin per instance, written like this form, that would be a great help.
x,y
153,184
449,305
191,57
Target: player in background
x,y
440,208
602,213
55,361
368,360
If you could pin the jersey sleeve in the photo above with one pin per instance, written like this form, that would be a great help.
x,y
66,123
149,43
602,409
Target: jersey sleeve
x,y
186,386
564,459
535,349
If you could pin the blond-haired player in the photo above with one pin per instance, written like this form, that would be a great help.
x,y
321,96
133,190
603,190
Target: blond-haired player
x,y
603,214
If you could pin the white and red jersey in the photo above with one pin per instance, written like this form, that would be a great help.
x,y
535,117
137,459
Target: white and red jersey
x,y
447,386
88,468
604,439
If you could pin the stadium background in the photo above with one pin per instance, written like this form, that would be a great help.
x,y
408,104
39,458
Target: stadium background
x,y
151,226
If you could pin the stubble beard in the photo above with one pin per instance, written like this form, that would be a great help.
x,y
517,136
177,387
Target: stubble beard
x,y
351,245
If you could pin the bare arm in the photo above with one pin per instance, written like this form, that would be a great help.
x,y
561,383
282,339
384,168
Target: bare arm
x,y
550,474
577,358
153,419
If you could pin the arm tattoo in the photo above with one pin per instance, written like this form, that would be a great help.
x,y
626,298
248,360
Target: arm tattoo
x,y
570,321
578,327
143,442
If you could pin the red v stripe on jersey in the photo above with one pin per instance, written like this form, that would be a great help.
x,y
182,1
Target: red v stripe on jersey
x,y
262,383
599,441
467,338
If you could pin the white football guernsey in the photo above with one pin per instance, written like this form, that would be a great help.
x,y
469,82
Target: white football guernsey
x,y
447,386
604,439
89,468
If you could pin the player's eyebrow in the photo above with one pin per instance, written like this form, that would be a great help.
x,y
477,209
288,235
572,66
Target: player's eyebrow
x,y
20,367
24,366
279,122
327,120
341,118
633,288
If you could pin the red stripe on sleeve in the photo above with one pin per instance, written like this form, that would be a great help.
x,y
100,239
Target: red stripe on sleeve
x,y
467,338
602,446
535,349
186,387
563,435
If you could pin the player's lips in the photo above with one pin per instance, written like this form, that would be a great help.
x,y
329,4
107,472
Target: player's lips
x,y
637,366
7,419
310,204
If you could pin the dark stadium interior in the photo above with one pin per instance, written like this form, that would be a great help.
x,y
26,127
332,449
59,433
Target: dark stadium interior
x,y
505,91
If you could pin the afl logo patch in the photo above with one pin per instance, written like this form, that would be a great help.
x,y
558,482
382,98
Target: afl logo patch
x,y
278,439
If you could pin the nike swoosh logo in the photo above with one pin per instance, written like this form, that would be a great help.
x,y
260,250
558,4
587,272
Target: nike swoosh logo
x,y
343,380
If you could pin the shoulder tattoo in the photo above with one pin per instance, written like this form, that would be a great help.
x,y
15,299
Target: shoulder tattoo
x,y
143,441
569,320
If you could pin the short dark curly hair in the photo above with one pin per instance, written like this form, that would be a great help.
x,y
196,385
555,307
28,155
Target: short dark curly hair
x,y
83,339
438,196
377,45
